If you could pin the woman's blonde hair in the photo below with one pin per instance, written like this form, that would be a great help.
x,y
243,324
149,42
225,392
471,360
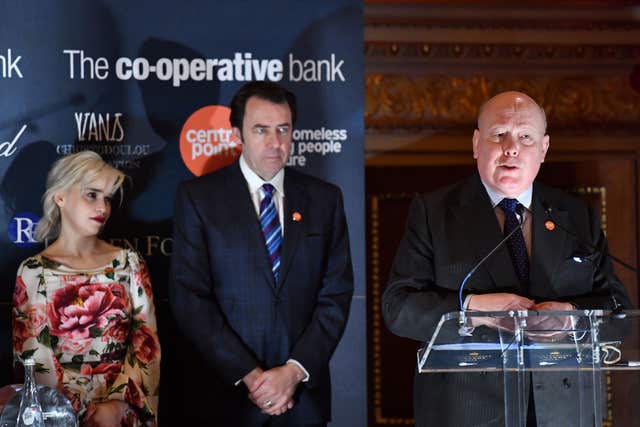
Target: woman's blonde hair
x,y
79,168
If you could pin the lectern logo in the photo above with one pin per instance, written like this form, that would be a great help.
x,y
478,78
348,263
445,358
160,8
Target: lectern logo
x,y
22,229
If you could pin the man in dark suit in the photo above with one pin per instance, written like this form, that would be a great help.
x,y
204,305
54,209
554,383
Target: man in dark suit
x,y
451,229
261,276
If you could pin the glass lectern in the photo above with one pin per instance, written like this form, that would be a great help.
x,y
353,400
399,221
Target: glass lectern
x,y
523,345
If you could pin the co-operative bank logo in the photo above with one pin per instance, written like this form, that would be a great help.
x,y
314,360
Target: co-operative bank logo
x,y
22,228
206,141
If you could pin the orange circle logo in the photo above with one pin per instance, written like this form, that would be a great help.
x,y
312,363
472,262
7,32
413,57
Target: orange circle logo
x,y
206,141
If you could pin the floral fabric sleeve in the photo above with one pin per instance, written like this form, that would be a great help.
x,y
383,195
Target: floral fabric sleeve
x,y
139,380
30,327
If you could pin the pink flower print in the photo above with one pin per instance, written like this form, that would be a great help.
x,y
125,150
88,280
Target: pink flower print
x,y
20,335
82,312
76,280
133,394
59,370
110,371
74,345
19,293
36,317
144,279
145,344
118,330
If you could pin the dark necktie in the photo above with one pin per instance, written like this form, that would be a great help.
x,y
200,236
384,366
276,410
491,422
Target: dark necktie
x,y
516,244
271,230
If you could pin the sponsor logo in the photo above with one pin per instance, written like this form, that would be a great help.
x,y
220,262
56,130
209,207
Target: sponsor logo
x,y
104,133
99,127
9,65
206,141
8,148
242,67
22,228
150,245
321,142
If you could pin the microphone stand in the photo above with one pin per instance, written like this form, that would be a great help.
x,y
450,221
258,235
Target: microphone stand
x,y
465,330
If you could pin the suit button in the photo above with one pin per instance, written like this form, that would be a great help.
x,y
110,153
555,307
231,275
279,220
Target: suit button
x,y
538,386
566,383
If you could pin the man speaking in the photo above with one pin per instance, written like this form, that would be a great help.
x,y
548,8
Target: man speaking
x,y
449,230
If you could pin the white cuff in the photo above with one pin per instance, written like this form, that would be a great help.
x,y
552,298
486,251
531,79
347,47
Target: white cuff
x,y
299,365
467,300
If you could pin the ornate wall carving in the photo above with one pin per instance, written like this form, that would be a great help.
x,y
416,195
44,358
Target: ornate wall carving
x,y
397,101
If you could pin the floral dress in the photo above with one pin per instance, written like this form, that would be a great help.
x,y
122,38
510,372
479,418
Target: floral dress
x,y
92,333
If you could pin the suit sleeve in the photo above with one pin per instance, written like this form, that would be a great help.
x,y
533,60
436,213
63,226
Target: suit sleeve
x,y
193,300
317,343
606,285
412,303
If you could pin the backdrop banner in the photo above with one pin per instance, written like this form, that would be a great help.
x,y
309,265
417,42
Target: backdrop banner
x,y
146,84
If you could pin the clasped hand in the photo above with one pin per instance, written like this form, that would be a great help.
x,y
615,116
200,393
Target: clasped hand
x,y
272,390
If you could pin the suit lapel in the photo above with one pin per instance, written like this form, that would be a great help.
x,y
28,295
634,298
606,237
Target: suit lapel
x,y
296,203
244,214
548,245
479,221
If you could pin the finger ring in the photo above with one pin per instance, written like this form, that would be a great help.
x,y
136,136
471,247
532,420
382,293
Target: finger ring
x,y
268,404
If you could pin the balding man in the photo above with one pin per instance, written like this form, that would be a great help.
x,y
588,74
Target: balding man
x,y
449,230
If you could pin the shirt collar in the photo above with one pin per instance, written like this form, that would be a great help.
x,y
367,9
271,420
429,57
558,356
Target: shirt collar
x,y
523,198
255,182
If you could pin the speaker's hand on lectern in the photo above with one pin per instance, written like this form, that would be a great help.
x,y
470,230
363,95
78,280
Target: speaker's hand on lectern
x,y
500,302
550,328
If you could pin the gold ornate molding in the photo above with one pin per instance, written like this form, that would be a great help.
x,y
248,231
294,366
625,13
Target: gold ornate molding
x,y
490,52
398,101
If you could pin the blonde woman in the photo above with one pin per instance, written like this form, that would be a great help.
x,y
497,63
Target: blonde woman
x,y
82,308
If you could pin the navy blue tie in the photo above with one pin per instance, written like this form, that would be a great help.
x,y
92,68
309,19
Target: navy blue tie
x,y
271,230
516,244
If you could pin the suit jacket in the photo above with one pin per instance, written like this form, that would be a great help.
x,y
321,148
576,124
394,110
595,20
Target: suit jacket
x,y
447,233
226,301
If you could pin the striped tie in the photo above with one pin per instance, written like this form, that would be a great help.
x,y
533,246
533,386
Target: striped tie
x,y
271,229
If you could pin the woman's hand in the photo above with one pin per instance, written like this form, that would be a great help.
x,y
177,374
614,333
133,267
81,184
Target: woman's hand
x,y
105,414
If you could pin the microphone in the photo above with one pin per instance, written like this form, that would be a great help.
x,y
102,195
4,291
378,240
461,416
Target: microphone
x,y
617,310
464,330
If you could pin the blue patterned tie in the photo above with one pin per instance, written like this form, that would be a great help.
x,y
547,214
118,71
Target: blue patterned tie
x,y
271,229
516,244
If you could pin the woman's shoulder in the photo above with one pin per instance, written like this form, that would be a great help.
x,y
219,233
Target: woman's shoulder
x,y
31,269
37,261
134,259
